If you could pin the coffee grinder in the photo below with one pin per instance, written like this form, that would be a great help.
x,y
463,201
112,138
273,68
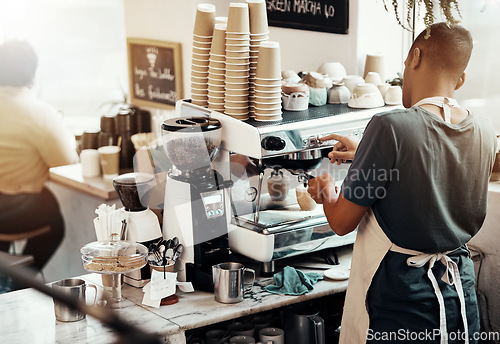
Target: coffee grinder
x,y
142,225
196,204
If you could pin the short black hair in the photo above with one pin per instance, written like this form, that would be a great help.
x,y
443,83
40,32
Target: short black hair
x,y
449,46
18,63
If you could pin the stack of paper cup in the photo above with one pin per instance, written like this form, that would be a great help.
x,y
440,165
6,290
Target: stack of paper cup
x,y
220,20
259,32
202,41
237,61
268,83
217,69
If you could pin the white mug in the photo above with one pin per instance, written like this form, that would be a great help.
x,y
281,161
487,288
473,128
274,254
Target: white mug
x,y
272,334
394,96
373,78
242,340
91,166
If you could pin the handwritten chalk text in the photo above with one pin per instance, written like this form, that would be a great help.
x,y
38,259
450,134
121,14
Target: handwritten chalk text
x,y
301,7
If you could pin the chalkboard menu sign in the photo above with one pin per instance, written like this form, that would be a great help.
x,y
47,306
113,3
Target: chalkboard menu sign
x,y
316,15
155,72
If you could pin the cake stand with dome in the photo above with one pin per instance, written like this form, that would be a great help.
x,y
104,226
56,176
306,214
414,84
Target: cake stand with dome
x,y
114,258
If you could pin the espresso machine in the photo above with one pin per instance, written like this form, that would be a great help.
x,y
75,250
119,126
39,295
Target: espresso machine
x,y
196,202
141,224
261,227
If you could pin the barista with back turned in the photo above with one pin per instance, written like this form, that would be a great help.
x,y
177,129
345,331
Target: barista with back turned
x,y
32,140
417,187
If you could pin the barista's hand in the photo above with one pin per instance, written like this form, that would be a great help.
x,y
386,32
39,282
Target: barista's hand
x,y
343,150
322,188
241,164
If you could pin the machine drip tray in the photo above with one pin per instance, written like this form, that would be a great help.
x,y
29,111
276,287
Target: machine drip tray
x,y
278,220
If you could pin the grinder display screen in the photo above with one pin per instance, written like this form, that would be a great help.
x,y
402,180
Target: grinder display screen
x,y
213,203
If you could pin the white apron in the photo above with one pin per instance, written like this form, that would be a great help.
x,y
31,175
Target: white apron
x,y
371,246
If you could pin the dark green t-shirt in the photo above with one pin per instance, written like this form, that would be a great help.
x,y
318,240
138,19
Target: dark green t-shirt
x,y
426,180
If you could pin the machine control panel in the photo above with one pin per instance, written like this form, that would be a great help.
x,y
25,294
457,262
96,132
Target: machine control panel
x,y
213,202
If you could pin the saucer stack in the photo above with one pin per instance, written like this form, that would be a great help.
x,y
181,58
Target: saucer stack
x,y
237,61
202,41
217,69
259,32
268,82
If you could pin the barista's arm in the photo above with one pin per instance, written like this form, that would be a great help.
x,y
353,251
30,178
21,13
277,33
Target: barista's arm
x,y
343,215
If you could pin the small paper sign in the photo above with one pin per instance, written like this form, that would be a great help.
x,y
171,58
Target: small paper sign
x,y
162,285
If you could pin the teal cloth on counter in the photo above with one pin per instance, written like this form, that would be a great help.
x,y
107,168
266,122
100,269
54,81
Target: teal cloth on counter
x,y
291,281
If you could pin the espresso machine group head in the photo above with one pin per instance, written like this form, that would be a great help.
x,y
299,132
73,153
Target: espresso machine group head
x,y
196,203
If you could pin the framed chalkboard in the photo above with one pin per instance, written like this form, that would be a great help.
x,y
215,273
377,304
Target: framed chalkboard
x,y
315,15
155,72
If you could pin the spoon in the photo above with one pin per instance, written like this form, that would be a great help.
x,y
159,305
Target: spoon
x,y
172,244
177,252
175,242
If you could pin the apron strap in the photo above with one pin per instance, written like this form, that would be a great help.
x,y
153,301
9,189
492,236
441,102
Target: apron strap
x,y
444,103
450,277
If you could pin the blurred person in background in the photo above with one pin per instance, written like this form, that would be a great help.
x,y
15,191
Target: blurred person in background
x,y
32,140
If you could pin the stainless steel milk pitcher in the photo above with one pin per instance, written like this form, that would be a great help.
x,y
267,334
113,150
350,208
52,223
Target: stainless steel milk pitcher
x,y
229,285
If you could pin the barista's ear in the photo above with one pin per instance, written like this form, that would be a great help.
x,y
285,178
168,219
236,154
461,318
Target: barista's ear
x,y
460,82
415,58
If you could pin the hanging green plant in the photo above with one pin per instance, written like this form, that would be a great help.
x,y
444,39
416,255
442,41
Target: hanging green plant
x,y
449,9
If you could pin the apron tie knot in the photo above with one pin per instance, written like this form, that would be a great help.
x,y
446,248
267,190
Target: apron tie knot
x,y
451,276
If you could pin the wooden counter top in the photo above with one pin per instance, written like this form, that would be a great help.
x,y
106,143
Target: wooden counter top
x,y
71,176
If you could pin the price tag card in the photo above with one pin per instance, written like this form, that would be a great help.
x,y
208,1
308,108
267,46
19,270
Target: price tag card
x,y
146,300
162,285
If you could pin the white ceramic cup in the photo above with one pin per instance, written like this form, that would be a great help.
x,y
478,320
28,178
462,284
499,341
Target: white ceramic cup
x,y
91,166
351,81
373,78
383,88
242,340
335,70
273,334
394,96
